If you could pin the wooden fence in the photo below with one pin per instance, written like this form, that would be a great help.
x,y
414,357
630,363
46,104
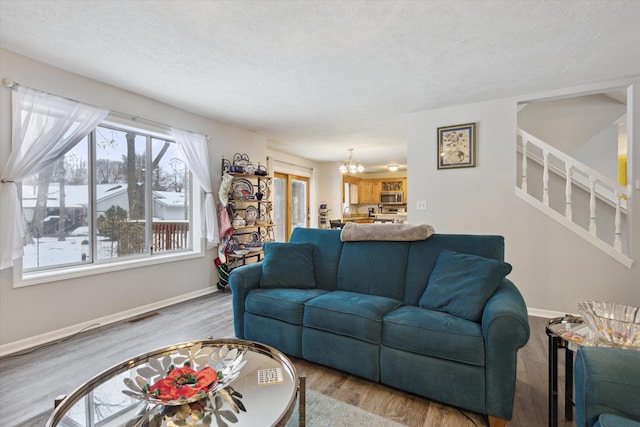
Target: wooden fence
x,y
166,236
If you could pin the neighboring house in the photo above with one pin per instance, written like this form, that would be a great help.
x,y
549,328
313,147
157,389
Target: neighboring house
x,y
167,206
108,195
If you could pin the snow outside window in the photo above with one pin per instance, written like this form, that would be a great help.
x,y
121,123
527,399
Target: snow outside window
x,y
118,194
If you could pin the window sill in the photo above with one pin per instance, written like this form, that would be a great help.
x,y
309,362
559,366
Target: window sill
x,y
37,278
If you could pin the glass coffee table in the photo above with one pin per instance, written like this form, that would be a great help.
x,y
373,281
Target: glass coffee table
x,y
257,385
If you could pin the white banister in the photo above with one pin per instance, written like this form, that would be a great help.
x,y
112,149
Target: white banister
x,y
601,189
568,213
576,164
523,184
545,179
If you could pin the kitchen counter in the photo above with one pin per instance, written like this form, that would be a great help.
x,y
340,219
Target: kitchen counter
x,y
387,217
359,218
391,217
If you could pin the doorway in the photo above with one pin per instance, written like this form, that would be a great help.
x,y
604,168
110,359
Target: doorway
x,y
291,204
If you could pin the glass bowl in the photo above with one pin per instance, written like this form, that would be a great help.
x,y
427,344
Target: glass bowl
x,y
613,324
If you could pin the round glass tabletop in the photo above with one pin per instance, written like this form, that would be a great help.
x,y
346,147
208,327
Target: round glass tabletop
x,y
256,385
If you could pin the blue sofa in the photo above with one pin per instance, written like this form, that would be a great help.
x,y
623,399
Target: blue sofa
x,y
607,382
364,307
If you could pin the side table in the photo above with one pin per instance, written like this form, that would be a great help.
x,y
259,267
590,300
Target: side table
x,y
568,332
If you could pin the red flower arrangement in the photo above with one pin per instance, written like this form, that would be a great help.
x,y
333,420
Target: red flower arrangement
x,y
184,383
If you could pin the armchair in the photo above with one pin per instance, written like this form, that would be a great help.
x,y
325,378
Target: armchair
x,y
607,382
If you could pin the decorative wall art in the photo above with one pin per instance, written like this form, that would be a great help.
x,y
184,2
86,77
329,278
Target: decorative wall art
x,y
457,146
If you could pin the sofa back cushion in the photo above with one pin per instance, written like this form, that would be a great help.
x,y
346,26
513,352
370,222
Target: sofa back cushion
x,y
288,266
461,284
424,253
374,267
326,253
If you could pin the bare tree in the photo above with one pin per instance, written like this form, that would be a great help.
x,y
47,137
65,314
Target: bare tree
x,y
108,171
76,172
135,187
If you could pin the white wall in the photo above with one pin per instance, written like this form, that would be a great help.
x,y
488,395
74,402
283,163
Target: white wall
x,y
601,152
330,188
43,309
582,127
553,268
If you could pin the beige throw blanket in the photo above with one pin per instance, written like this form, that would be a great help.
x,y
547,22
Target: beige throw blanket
x,y
353,232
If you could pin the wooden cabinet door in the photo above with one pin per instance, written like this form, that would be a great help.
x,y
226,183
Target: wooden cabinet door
x,y
365,192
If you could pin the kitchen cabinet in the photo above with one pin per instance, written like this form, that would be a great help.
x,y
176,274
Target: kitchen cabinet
x,y
391,184
395,184
365,192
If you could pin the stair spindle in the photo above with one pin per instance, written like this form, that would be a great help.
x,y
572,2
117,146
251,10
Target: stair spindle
x,y
592,206
617,241
568,213
524,165
545,180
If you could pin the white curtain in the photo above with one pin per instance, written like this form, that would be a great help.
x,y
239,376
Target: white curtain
x,y
196,155
44,127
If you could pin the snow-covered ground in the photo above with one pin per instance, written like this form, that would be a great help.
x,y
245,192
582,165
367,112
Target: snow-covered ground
x,y
48,251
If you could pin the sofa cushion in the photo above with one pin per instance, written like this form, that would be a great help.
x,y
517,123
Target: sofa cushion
x,y
287,265
349,314
424,254
373,268
461,284
433,333
281,304
327,248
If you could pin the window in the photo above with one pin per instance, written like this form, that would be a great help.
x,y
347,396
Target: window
x,y
119,194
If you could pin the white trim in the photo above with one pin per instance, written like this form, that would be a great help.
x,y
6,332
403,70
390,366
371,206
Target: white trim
x,y
31,342
621,258
55,275
548,314
16,346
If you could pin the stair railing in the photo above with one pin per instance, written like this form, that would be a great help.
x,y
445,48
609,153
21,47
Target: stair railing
x,y
578,174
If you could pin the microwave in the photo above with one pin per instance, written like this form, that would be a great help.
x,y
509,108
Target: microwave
x,y
391,198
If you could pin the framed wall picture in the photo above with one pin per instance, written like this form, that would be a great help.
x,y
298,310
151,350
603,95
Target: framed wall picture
x,y
457,146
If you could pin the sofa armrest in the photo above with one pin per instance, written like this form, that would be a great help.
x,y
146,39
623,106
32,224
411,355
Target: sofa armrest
x,y
505,326
607,380
242,280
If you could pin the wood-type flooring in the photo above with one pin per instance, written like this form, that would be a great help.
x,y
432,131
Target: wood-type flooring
x,y
61,367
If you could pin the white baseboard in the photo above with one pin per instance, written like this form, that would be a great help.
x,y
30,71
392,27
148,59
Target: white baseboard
x,y
31,342
35,341
539,312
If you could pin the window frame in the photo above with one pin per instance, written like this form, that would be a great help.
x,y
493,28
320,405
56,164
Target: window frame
x,y
150,257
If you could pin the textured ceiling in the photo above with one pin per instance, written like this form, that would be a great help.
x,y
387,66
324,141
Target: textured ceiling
x,y
318,77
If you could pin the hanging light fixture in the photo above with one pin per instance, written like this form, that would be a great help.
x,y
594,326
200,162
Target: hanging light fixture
x,y
350,166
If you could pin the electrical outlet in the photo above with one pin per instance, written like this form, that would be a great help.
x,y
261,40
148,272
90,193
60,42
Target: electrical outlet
x,y
421,205
638,184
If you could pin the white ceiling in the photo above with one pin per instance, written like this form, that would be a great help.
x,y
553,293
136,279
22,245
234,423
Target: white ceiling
x,y
318,77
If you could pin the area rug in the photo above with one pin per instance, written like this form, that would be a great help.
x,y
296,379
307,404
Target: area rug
x,y
322,411
325,411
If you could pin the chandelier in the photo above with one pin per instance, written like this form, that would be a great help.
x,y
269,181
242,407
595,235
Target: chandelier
x,y
350,166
